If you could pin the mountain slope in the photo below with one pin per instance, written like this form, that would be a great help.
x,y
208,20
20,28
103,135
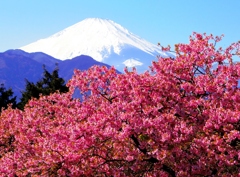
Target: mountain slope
x,y
103,40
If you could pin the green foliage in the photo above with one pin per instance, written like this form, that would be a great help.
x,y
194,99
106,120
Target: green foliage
x,y
6,98
50,83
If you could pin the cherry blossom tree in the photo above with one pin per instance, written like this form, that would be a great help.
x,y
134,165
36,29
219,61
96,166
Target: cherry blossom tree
x,y
180,118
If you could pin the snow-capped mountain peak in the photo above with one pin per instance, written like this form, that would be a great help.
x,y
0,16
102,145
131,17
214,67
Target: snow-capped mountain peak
x,y
99,38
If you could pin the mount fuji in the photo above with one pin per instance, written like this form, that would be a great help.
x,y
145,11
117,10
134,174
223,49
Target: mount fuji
x,y
103,40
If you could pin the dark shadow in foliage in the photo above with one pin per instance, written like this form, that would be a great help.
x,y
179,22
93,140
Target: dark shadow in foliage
x,y
50,83
6,98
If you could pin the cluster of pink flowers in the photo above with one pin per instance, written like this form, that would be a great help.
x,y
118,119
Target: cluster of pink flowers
x,y
181,118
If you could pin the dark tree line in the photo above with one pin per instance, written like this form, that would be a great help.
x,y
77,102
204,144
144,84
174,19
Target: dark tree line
x,y
50,83
6,98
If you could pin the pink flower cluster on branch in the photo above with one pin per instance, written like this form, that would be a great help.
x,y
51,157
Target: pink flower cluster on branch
x,y
182,118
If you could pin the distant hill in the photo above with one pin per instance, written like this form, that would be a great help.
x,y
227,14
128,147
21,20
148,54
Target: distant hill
x,y
17,65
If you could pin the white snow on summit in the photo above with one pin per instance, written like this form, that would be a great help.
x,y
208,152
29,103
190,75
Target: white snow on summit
x,y
95,37
103,40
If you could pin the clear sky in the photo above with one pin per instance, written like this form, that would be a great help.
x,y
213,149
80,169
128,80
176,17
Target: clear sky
x,y
165,21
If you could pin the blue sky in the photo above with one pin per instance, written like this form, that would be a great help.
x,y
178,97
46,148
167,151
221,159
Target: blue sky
x,y
167,22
